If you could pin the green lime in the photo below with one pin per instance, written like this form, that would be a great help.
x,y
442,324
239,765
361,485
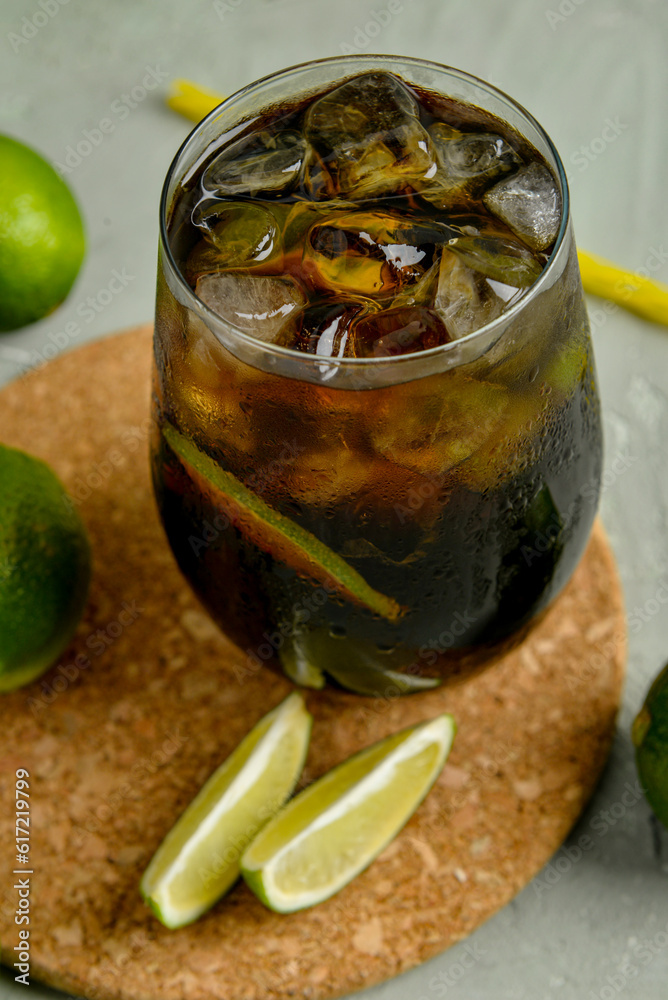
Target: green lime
x,y
332,830
276,534
198,860
44,568
41,236
650,737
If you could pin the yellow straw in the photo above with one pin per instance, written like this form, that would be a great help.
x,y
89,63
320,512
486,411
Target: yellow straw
x,y
638,294
192,101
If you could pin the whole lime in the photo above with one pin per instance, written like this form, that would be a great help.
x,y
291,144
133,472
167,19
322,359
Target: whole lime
x,y
41,236
650,736
44,568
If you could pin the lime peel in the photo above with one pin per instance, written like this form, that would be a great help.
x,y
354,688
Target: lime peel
x,y
335,828
198,861
278,535
640,727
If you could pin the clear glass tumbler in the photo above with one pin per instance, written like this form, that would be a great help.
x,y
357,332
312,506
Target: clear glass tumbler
x,y
383,521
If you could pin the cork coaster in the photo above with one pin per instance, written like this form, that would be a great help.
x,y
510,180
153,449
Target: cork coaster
x,y
121,734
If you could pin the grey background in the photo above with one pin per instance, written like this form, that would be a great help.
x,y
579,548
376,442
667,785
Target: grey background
x,y
601,928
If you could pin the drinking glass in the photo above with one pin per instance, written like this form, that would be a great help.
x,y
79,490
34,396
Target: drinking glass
x,y
379,522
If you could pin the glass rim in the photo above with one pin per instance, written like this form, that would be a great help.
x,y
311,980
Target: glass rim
x,y
209,316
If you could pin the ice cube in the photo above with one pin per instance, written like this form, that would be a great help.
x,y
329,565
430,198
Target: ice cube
x,y
269,162
465,300
294,218
322,328
367,139
203,392
392,332
257,305
500,258
242,232
467,162
203,259
442,423
422,292
370,253
331,475
529,203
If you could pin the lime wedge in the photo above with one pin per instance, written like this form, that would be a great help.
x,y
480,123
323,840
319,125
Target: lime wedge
x,y
276,534
336,827
198,860
353,663
298,667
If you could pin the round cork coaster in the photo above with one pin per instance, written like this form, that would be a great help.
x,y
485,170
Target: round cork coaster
x,y
120,735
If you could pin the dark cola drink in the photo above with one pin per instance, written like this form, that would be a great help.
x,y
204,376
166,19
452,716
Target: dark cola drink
x,y
378,436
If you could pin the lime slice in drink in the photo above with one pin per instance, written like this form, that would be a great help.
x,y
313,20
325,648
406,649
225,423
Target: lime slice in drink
x,y
198,860
333,829
276,534
353,663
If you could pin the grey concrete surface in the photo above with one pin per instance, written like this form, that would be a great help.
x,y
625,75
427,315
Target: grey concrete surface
x,y
594,73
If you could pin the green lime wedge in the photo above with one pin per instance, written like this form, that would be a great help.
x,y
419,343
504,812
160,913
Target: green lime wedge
x,y
276,534
198,860
299,667
332,830
353,663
